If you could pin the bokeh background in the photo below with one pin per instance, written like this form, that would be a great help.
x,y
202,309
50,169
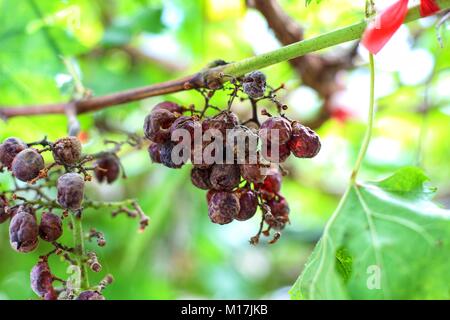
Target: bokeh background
x,y
116,45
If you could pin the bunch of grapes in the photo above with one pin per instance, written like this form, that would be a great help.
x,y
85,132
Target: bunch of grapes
x,y
238,185
41,218
239,178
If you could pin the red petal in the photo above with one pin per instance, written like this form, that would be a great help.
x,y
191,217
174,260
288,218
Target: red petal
x,y
428,7
385,25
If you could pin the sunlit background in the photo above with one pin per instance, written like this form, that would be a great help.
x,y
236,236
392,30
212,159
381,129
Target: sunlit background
x,y
124,44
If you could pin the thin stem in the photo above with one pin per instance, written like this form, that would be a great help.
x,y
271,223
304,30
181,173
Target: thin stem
x,y
301,48
368,135
79,250
100,204
211,76
73,125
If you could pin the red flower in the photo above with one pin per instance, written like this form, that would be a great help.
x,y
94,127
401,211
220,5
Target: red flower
x,y
380,31
428,7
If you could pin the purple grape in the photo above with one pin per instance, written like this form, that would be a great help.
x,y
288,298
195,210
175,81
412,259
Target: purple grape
x,y
225,177
169,106
154,152
107,168
9,149
280,213
201,178
248,203
304,143
70,191
269,126
42,280
67,150
27,165
223,207
23,231
157,125
254,84
253,173
50,228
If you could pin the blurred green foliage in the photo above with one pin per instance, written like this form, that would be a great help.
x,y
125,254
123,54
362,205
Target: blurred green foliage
x,y
124,44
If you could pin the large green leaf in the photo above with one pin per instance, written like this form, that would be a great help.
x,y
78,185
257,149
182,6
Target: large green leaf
x,y
386,240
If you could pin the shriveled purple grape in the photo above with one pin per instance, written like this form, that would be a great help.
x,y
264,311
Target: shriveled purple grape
x,y
304,143
165,154
277,153
23,208
23,231
248,203
209,194
107,168
67,150
50,227
254,84
223,207
27,164
272,183
157,125
268,130
280,213
42,280
169,106
244,144
200,178
9,149
90,295
225,177
198,158
70,191
154,152
190,124
253,173
226,120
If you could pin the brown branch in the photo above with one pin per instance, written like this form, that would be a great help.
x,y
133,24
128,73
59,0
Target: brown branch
x,y
324,69
97,103
316,72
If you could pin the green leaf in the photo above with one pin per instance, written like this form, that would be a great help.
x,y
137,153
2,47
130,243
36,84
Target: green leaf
x,y
408,181
386,240
344,263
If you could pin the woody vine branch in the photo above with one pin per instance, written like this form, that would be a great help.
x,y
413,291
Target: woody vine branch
x,y
211,77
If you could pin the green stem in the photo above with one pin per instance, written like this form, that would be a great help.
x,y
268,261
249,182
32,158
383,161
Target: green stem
x,y
101,204
368,135
326,40
209,77
78,242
